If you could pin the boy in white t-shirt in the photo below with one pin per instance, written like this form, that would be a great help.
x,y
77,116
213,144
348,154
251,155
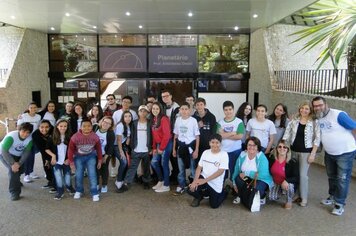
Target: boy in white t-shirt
x,y
185,144
231,130
209,175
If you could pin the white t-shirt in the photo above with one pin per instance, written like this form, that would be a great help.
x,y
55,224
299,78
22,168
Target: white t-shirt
x,y
248,166
118,114
33,120
141,137
50,117
186,129
61,152
237,126
261,130
212,162
120,131
103,141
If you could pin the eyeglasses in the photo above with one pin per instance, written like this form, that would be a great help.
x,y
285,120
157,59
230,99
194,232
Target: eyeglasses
x,y
251,145
319,105
284,147
109,99
105,122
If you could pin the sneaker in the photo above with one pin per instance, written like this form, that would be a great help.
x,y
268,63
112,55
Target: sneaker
x,y
34,176
112,172
58,197
328,201
237,200
179,191
195,202
71,191
52,191
163,189
15,197
96,198
338,210
263,201
123,188
47,186
118,184
27,179
303,203
77,195
158,185
104,189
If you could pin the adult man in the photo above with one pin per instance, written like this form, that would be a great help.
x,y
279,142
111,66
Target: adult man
x,y
338,132
126,104
111,105
172,111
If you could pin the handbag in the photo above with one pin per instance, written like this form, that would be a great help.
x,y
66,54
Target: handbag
x,y
250,196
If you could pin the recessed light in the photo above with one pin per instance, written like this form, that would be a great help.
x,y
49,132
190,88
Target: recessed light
x,y
188,27
122,40
84,39
140,26
254,15
115,36
13,17
76,36
236,28
190,14
52,28
128,13
94,26
67,14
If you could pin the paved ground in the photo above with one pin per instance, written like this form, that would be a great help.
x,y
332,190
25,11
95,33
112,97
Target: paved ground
x,y
144,212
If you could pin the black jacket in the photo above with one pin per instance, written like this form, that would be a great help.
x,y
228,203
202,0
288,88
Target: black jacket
x,y
42,143
133,135
291,170
209,128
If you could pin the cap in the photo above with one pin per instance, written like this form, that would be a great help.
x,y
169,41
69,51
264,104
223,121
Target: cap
x,y
143,107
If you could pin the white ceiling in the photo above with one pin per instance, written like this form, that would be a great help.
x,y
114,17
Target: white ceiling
x,y
155,16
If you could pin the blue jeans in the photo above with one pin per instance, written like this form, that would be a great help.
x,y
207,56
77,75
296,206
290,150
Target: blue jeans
x,y
338,169
181,175
232,160
30,162
86,162
61,172
122,169
160,162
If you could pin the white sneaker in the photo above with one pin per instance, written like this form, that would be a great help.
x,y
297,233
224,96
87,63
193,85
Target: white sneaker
x,y
338,210
163,189
77,195
104,189
96,198
158,185
27,179
328,201
237,200
34,176
112,172
118,184
263,201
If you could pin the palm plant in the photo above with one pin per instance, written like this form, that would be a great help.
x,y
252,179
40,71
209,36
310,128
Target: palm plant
x,y
334,30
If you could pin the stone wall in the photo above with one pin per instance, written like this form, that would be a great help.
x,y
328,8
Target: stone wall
x,y
29,73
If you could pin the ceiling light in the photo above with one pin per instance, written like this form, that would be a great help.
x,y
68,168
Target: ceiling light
x,y
189,27
254,15
94,27
52,28
115,36
236,28
67,14
128,13
190,14
84,39
140,26
13,17
76,36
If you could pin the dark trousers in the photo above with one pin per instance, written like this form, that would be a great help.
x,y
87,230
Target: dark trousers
x,y
103,172
14,178
49,172
215,198
260,186
136,157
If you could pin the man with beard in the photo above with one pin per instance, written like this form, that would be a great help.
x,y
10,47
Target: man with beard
x,y
338,133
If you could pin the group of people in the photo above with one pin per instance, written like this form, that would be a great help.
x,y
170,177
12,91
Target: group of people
x,y
167,139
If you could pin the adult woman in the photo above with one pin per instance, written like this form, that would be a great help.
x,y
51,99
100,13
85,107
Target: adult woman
x,y
33,118
49,113
95,114
280,119
252,163
122,149
161,146
303,135
107,139
285,173
78,114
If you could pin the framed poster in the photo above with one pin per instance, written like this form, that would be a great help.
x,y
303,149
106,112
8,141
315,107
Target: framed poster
x,y
83,84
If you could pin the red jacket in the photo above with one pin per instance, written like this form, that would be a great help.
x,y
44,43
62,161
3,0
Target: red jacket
x,y
162,134
82,145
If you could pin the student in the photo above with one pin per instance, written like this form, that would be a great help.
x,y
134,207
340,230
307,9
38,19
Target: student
x,y
209,175
185,145
122,148
141,145
107,138
245,114
95,115
111,105
262,128
67,112
191,100
126,104
33,118
84,151
207,125
49,113
57,149
161,146
280,119
14,150
231,130
78,114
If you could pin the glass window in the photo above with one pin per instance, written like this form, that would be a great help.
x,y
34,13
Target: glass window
x,y
123,40
172,40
